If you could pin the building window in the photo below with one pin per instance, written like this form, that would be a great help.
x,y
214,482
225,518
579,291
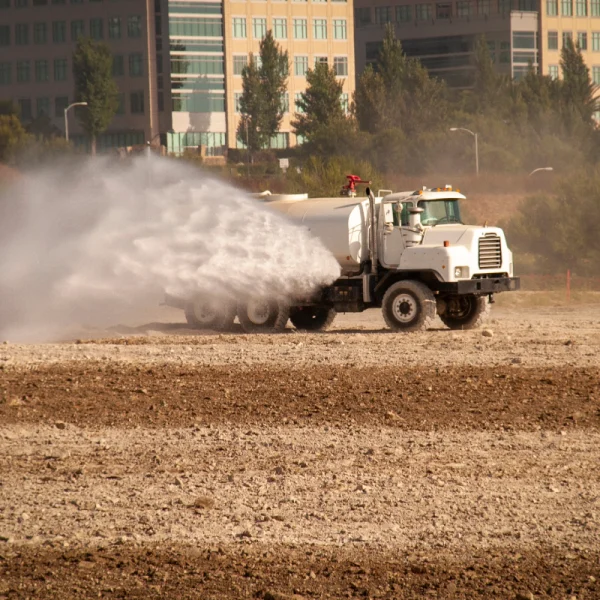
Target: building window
x,y
301,29
595,8
596,75
114,28
136,65
504,53
59,32
300,65
383,15
340,66
42,73
121,105
96,29
340,29
5,73
60,105
345,103
21,34
403,13
423,12
596,41
43,107
485,7
320,60
60,69
280,141
280,29
20,3
239,27
136,101
582,40
197,65
504,6
553,71
524,40
23,71
199,27
77,30
320,29
363,16
24,108
39,33
237,96
464,8
566,8
259,27
297,105
239,62
285,101
134,26
118,65
443,11
581,9
566,36
553,40
552,8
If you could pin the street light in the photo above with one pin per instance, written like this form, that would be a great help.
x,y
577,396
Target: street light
x,y
540,169
67,120
476,147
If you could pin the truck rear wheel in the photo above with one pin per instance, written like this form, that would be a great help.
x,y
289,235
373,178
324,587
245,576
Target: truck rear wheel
x,y
312,318
259,315
465,312
409,306
202,313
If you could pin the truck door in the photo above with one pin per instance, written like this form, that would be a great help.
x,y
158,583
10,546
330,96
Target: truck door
x,y
392,242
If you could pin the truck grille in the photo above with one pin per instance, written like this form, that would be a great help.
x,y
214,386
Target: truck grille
x,y
490,251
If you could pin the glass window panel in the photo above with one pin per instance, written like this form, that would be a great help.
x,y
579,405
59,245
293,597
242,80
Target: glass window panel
x,y
22,34
114,28
340,66
134,26
301,29
300,65
340,29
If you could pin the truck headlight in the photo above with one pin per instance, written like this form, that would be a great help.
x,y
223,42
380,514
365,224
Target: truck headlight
x,y
461,272
458,272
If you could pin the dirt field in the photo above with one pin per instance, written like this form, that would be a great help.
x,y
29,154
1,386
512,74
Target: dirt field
x,y
152,461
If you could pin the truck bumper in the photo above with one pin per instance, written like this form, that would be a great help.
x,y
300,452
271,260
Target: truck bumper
x,y
481,287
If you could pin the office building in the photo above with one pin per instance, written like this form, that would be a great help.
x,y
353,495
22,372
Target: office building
x,y
177,63
442,34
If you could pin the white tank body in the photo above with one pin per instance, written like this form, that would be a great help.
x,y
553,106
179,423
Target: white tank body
x,y
340,223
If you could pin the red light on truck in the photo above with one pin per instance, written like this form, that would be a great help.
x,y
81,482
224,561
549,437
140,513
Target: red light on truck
x,y
446,243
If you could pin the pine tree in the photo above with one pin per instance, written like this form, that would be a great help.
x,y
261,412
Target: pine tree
x,y
262,100
94,84
577,90
320,105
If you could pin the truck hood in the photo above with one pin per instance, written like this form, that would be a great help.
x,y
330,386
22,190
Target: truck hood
x,y
456,234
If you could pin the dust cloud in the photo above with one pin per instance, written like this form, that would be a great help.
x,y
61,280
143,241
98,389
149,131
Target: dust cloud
x,y
90,243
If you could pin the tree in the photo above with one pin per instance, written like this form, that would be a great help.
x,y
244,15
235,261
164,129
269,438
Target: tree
x,y
577,90
320,106
12,134
262,101
94,84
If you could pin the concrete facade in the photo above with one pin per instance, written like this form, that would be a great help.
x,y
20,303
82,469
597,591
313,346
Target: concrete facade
x,y
36,63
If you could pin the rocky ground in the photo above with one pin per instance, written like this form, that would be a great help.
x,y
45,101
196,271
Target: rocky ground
x,y
152,461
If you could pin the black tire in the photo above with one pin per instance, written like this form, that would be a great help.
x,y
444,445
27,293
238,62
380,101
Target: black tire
x,y
465,312
312,318
263,316
409,306
209,314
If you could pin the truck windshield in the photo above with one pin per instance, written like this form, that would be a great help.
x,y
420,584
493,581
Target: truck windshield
x,y
437,212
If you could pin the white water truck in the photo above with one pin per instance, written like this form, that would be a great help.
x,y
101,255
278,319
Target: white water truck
x,y
407,253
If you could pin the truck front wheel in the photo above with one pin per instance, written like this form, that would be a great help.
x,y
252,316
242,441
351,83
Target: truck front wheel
x,y
408,306
312,318
202,313
259,315
465,312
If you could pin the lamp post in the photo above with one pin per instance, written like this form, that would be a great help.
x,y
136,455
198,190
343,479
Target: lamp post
x,y
540,169
66,116
476,146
